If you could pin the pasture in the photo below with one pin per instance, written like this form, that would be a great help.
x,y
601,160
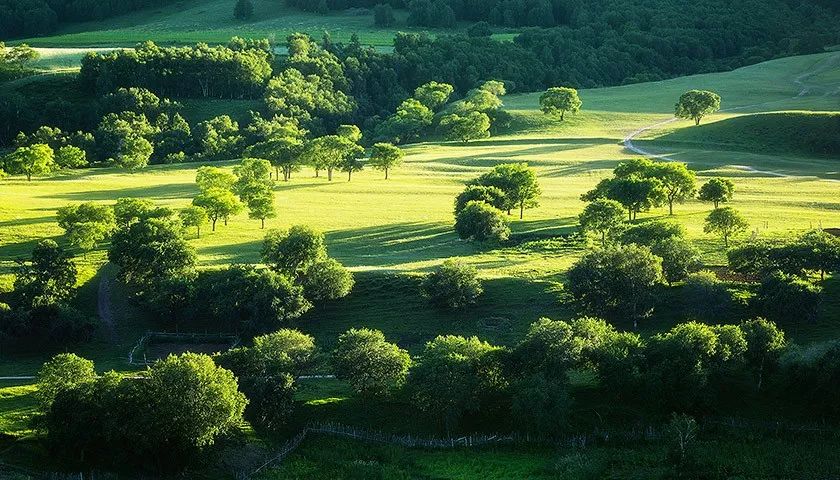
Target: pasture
x,y
389,231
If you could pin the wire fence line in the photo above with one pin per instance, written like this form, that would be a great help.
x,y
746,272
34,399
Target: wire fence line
x,y
171,337
465,441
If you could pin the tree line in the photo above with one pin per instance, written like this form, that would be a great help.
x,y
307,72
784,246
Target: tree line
x,y
179,409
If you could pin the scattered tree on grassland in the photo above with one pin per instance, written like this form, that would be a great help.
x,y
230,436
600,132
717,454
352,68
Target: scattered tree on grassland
x,y
559,100
62,372
481,222
603,217
470,126
453,285
617,282
193,216
726,222
518,181
294,250
218,203
385,156
86,224
38,159
696,104
327,279
372,366
717,191
492,196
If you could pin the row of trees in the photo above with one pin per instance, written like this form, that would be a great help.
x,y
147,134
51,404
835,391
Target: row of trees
x,y
622,281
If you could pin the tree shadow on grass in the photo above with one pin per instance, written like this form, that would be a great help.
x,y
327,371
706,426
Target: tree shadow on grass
x,y
158,192
394,303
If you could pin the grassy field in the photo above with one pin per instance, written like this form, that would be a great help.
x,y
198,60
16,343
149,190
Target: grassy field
x,y
212,21
390,231
743,458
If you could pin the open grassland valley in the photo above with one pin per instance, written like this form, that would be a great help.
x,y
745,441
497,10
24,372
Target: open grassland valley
x,y
420,239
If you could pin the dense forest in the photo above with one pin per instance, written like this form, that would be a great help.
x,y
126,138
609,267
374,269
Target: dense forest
x,y
20,18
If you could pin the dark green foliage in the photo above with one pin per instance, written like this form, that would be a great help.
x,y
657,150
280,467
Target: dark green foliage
x,y
649,233
785,298
812,377
456,376
162,421
383,15
696,104
151,251
372,366
246,70
243,10
717,191
243,298
453,285
617,283
540,405
603,217
63,372
705,297
48,278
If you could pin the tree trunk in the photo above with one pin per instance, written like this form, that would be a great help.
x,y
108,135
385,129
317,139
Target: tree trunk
x,y
317,173
263,224
697,121
198,231
386,173
670,207
716,204
28,176
214,224
629,215
562,115
604,238
521,210
329,174
226,219
349,173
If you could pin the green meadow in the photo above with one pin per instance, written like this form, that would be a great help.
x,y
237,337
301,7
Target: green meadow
x,y
390,231
192,21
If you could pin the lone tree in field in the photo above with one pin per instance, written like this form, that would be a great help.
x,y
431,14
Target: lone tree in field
x,y
696,104
38,159
243,10
384,156
86,224
717,191
193,216
559,100
518,181
218,203
453,285
678,182
372,366
466,127
603,217
726,222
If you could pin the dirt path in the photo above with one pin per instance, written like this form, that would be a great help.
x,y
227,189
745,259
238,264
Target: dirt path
x,y
800,81
103,308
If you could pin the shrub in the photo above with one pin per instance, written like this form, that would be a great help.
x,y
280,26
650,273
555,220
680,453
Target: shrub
x,y
786,298
480,222
453,285
372,366
327,280
705,297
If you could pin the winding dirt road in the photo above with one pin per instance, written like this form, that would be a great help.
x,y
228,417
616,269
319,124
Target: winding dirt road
x,y
801,81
